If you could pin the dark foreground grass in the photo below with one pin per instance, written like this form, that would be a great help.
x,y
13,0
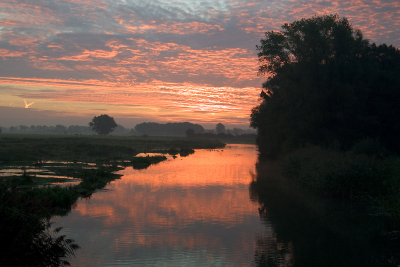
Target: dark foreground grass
x,y
367,177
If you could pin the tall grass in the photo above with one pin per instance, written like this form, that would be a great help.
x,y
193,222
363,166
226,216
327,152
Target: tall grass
x,y
353,175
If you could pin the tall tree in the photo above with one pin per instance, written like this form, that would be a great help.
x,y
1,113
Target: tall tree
x,y
326,84
103,124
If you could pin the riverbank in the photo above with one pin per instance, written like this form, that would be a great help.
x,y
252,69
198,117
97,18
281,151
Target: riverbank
x,y
366,176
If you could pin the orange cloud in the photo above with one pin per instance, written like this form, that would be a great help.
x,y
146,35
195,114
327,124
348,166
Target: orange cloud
x,y
4,53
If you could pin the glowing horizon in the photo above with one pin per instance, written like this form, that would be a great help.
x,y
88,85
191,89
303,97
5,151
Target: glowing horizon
x,y
151,61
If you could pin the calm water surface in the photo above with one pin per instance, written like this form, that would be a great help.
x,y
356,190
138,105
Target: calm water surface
x,y
189,211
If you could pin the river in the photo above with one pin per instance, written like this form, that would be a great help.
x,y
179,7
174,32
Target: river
x,y
187,211
220,208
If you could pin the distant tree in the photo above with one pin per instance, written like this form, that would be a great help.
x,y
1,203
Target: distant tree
x,y
119,129
41,128
1,130
72,129
237,131
148,128
60,128
12,129
220,128
103,124
189,132
76,129
23,128
171,128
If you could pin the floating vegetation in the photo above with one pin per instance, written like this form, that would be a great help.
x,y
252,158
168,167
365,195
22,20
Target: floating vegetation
x,y
184,152
145,162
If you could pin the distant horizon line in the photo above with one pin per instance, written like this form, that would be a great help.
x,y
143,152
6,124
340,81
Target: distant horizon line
x,y
52,125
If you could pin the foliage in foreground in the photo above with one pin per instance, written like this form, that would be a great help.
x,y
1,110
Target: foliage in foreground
x,y
27,234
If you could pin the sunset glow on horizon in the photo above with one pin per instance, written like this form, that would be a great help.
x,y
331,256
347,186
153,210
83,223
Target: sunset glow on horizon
x,y
160,61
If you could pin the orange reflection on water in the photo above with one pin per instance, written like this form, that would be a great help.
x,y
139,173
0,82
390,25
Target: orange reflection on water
x,y
199,202
182,190
232,166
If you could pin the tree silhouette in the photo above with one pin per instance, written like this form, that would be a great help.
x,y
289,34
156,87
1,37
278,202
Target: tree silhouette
x,y
190,132
171,128
220,128
327,85
103,124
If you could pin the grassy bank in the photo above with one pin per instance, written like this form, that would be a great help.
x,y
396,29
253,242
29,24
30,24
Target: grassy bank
x,y
372,178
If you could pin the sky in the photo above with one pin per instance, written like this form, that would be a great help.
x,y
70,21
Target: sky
x,y
157,60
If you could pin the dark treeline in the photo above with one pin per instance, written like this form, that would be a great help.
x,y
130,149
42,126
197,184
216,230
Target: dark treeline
x,y
171,128
146,128
58,129
328,86
225,137
220,129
